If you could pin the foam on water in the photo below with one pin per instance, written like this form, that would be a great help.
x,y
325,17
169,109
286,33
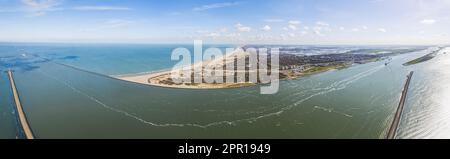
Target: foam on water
x,y
338,85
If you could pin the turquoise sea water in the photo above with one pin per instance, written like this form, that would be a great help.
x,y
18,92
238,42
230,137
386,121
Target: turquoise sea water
x,y
358,102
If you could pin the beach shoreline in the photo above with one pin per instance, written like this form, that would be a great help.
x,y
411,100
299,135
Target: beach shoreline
x,y
289,69
158,78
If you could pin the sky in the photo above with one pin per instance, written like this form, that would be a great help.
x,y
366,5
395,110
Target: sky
x,y
325,22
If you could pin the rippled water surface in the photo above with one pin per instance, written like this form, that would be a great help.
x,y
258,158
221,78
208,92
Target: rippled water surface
x,y
358,102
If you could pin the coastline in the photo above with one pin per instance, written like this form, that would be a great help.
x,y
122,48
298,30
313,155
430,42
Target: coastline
x,y
157,78
149,79
146,78
290,71
424,58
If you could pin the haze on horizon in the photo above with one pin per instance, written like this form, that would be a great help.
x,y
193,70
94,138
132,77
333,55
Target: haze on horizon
x,y
329,22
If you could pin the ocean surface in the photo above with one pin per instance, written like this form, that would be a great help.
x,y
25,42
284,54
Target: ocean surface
x,y
358,102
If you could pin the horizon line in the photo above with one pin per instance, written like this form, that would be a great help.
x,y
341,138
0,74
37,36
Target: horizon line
x,y
212,43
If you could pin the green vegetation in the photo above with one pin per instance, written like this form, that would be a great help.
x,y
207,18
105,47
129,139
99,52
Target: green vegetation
x,y
320,69
388,52
422,59
238,85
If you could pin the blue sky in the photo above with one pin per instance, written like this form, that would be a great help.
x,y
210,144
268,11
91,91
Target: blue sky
x,y
225,21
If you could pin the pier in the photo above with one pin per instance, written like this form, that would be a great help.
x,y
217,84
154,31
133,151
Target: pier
x,y
398,115
21,114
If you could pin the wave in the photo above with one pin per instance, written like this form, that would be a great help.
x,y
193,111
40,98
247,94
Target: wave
x,y
338,85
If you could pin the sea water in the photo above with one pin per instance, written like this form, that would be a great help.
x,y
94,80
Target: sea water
x,y
358,102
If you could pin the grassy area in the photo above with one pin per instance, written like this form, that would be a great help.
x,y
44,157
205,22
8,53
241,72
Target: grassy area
x,y
238,85
319,69
422,59
415,61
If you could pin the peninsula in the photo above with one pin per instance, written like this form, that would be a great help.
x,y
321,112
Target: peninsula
x,y
291,66
424,58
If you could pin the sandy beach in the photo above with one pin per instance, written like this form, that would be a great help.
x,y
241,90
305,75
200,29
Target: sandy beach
x,y
161,78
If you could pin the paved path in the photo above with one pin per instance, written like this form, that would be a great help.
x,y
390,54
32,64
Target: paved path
x,y
22,118
398,115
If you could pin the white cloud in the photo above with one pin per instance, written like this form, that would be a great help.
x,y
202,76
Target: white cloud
x,y
213,35
40,4
294,22
292,27
382,30
292,35
266,28
318,31
306,27
223,30
364,27
232,35
304,32
216,5
282,37
40,7
112,24
242,28
355,29
319,23
428,21
101,8
341,28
